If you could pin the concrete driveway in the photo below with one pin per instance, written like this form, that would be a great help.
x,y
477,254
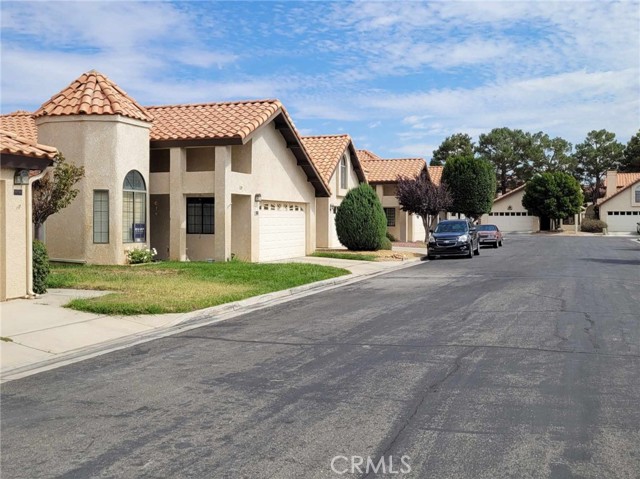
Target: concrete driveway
x,y
521,362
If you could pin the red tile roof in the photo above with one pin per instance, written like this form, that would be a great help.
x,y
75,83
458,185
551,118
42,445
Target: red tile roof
x,y
388,170
366,155
232,120
628,184
435,173
92,93
326,152
12,144
21,123
625,179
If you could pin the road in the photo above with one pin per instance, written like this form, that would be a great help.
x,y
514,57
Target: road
x,y
521,362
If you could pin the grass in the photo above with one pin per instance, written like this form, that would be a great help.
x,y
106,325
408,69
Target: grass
x,y
355,256
175,287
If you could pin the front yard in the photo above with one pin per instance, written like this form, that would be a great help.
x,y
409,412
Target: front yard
x,y
174,287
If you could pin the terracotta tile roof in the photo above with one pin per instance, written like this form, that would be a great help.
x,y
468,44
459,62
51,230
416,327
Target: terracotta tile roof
x,y
211,120
12,144
92,93
625,179
435,173
21,123
366,155
388,170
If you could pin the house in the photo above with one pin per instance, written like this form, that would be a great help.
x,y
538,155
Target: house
x,y
383,176
22,162
196,182
508,214
335,158
620,208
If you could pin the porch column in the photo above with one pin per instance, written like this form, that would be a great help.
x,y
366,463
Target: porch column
x,y
222,237
177,208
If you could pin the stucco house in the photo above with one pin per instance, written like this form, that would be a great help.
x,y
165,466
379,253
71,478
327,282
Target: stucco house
x,y
21,163
335,158
383,176
620,208
508,214
197,182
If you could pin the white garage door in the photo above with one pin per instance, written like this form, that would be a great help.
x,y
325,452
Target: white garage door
x,y
282,230
622,221
511,221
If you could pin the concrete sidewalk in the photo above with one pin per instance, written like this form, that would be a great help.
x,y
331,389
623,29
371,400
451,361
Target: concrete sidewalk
x,y
40,334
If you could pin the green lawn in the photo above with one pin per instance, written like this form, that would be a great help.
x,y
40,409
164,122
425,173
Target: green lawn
x,y
355,256
174,287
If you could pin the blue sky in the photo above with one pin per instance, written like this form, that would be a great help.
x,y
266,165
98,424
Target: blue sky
x,y
397,76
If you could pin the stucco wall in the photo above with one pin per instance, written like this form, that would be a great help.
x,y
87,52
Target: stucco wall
x,y
624,202
511,205
108,146
13,238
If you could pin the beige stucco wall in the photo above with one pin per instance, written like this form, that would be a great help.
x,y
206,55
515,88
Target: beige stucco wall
x,y
511,204
13,238
108,146
625,201
326,236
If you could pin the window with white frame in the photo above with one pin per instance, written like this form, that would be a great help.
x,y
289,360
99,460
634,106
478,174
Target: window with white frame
x,y
100,216
134,208
343,173
637,195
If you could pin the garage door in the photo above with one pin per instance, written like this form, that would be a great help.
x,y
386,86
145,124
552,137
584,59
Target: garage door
x,y
511,221
622,221
282,230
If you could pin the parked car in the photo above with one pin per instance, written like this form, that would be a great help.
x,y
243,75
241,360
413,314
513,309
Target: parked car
x,y
453,238
490,234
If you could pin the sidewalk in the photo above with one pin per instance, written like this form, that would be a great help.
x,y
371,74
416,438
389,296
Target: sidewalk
x,y
41,334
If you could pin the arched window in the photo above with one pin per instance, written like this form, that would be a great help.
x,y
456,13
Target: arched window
x,y
134,208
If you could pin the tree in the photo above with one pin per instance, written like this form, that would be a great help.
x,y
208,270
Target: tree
x,y
631,156
360,220
598,153
472,184
552,154
457,144
556,195
421,197
511,152
54,191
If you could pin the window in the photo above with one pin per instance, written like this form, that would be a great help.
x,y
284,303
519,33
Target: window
x,y
134,208
391,216
100,216
637,194
343,173
200,216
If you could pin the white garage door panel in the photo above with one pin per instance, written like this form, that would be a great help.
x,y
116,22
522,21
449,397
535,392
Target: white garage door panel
x,y
282,231
622,223
512,223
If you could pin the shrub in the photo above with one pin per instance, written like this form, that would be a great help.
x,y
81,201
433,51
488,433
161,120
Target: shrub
x,y
390,237
386,244
360,220
138,256
40,267
592,226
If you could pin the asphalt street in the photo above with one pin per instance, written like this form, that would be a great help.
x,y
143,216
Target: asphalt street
x,y
523,362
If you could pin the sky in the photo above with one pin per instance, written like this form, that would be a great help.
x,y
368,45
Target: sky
x,y
399,77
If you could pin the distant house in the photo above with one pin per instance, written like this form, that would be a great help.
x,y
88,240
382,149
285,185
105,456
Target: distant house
x,y
383,175
620,208
508,214
335,158
21,163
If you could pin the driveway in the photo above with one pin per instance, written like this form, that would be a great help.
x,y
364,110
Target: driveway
x,y
522,362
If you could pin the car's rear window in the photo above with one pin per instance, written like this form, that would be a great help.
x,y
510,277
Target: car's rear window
x,y
487,228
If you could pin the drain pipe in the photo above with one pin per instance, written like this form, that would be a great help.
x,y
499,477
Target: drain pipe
x,y
29,230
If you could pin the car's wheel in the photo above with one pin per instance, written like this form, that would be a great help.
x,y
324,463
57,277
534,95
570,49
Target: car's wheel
x,y
495,245
500,243
470,254
431,257
477,250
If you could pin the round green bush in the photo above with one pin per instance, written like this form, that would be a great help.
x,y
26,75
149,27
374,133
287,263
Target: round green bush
x,y
360,220
592,226
40,267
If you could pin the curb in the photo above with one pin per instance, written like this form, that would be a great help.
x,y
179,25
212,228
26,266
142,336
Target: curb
x,y
197,319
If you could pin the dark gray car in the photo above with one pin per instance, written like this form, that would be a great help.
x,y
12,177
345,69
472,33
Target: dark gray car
x,y
453,238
